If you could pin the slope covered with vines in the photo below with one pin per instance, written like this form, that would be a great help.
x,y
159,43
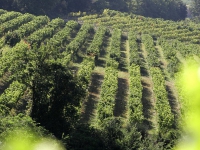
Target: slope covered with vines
x,y
136,58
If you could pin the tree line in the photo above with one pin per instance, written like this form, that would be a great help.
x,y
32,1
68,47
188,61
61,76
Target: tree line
x,y
48,7
167,9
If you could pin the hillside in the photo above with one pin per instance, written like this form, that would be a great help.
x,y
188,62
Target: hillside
x,y
125,64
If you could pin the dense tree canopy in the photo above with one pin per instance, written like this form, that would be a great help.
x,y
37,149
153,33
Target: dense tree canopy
x,y
167,9
45,6
171,9
196,7
55,92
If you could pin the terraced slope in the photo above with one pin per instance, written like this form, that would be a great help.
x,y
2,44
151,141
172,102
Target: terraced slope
x,y
127,64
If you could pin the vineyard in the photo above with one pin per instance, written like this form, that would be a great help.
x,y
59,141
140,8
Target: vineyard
x,y
126,63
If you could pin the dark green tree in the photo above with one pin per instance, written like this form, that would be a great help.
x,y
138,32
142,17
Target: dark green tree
x,y
35,6
78,5
56,94
167,9
195,8
7,4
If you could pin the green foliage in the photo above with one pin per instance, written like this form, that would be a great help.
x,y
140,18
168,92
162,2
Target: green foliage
x,y
115,45
56,95
13,37
85,137
172,47
195,7
85,71
12,94
63,36
133,49
170,55
80,38
95,46
111,135
112,63
152,56
16,122
12,125
165,116
150,142
8,16
46,32
14,60
135,96
2,11
184,31
107,96
15,23
167,9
